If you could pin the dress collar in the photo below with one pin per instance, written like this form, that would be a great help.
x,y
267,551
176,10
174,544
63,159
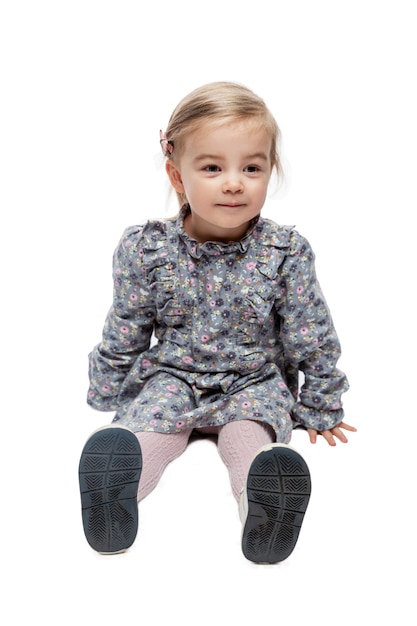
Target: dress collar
x,y
215,248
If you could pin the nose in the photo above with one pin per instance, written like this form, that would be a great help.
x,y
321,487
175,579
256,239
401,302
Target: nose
x,y
233,184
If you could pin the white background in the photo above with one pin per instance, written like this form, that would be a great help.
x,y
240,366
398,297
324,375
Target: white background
x,y
85,88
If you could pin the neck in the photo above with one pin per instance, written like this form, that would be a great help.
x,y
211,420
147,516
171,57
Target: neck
x,y
203,232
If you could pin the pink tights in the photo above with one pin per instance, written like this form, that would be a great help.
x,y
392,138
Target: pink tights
x,y
237,444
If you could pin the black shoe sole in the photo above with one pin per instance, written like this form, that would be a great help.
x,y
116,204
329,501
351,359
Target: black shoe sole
x,y
109,473
278,490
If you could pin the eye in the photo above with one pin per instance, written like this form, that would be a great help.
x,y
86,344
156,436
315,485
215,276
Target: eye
x,y
211,168
252,169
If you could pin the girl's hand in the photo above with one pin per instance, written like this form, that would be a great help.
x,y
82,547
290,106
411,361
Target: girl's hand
x,y
330,434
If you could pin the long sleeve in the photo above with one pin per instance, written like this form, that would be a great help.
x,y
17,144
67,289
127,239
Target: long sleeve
x,y
128,327
309,339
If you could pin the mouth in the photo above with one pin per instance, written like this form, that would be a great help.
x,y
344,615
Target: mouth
x,y
232,205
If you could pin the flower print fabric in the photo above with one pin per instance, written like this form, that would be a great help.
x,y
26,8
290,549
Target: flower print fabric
x,y
232,324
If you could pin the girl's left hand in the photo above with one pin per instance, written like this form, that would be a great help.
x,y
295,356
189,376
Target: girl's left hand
x,y
330,434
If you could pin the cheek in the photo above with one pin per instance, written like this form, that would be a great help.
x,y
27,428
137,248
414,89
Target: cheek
x,y
196,187
260,191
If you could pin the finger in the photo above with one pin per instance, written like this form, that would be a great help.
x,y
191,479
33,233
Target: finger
x,y
347,427
312,434
327,434
339,434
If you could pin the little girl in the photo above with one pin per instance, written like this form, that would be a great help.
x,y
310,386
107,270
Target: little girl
x,y
233,304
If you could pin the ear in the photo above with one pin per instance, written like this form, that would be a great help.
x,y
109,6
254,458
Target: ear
x,y
174,176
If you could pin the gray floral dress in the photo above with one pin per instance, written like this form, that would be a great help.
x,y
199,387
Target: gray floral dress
x,y
200,334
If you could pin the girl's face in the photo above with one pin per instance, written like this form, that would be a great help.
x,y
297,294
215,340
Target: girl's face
x,y
224,171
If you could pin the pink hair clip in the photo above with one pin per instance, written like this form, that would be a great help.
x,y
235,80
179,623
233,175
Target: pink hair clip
x,y
167,146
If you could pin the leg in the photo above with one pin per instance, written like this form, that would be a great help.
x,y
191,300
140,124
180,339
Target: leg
x,y
237,444
162,397
158,450
276,479
109,473
111,463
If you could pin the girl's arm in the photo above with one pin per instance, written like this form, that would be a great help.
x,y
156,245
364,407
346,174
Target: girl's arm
x,y
128,327
310,341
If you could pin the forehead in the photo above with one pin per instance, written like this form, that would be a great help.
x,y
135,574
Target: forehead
x,y
249,133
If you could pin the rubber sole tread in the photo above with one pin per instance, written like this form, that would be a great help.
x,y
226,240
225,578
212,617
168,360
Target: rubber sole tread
x,y
109,474
278,492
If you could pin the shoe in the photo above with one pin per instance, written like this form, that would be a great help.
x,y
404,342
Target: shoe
x,y
273,505
109,473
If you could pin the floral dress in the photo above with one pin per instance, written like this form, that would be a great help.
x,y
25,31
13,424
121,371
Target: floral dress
x,y
200,334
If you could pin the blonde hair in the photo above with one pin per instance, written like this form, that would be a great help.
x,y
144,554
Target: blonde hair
x,y
220,101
